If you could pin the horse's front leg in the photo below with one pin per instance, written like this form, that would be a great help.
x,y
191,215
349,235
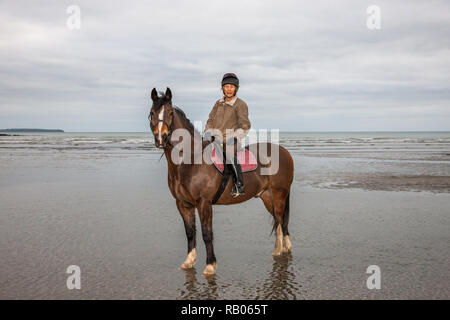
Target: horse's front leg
x,y
187,212
204,208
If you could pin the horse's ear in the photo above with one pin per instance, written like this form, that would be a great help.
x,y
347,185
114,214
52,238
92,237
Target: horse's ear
x,y
168,94
154,95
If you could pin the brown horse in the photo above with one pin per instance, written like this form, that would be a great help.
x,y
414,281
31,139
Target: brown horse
x,y
194,185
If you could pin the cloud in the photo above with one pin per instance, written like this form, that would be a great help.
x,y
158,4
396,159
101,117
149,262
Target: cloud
x,y
302,65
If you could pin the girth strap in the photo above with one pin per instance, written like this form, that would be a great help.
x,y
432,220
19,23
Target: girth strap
x,y
225,174
223,183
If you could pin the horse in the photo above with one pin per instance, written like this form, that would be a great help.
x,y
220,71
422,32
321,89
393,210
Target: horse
x,y
194,185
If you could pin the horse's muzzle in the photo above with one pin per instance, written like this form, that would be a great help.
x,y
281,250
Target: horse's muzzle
x,y
163,143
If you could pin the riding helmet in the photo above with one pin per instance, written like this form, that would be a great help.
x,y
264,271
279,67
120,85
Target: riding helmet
x,y
230,78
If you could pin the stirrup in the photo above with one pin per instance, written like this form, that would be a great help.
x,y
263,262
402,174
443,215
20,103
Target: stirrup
x,y
237,191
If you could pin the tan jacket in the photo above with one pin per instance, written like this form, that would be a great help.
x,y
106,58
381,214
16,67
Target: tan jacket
x,y
229,115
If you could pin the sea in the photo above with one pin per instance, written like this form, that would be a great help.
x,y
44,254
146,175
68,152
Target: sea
x,y
414,145
100,201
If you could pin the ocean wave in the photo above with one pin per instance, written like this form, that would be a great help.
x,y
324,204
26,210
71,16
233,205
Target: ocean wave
x,y
437,146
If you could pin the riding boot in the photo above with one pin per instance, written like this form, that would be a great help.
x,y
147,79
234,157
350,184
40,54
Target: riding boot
x,y
238,181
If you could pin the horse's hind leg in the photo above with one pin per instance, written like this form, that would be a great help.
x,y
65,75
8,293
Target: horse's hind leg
x,y
188,214
273,206
287,245
281,219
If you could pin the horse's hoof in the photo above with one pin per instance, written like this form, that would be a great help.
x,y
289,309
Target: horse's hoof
x,y
186,266
277,253
190,260
210,269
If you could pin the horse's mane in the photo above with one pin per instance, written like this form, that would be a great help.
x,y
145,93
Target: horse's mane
x,y
187,123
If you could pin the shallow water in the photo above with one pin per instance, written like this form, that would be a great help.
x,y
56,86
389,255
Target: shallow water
x,y
110,212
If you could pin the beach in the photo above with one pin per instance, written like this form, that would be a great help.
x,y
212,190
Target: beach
x,y
101,202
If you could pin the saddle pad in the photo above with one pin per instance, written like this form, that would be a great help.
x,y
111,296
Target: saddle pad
x,y
245,158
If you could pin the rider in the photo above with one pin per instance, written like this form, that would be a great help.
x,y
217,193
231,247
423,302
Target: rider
x,y
230,112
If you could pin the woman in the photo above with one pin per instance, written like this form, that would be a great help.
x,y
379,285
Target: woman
x,y
230,112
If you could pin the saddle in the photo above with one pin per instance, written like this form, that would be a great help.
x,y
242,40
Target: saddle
x,y
246,159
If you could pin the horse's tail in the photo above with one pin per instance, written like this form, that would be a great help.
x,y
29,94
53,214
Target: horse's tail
x,y
285,216
286,212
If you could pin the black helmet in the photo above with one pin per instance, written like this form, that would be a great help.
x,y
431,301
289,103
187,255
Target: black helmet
x,y
230,78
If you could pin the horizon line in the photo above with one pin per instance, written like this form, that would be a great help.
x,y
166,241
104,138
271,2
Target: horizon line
x,y
284,131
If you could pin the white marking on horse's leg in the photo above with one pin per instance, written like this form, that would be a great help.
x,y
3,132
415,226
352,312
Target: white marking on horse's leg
x,y
160,117
287,245
210,269
190,259
278,242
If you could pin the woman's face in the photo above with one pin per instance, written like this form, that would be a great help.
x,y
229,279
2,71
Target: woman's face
x,y
229,90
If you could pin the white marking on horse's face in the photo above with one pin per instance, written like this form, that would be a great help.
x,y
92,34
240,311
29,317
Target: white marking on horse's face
x,y
160,124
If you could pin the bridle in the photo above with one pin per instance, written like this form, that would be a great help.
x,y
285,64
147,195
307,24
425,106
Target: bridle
x,y
170,127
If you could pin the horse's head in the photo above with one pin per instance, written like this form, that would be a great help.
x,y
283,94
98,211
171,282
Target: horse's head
x,y
161,118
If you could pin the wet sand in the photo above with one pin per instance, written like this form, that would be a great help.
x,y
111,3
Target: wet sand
x,y
113,216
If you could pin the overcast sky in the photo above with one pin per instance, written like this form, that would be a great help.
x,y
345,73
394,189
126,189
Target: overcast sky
x,y
303,66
